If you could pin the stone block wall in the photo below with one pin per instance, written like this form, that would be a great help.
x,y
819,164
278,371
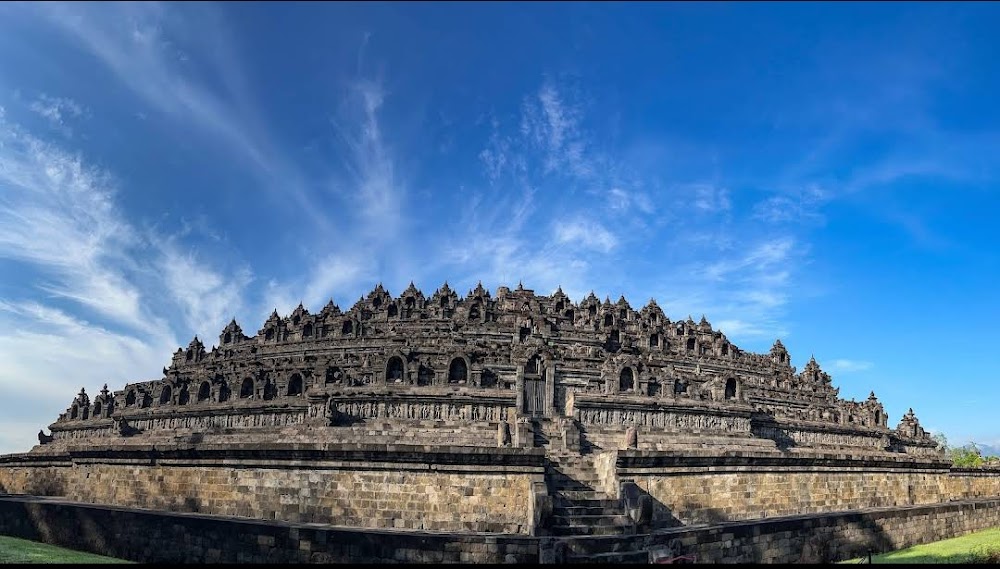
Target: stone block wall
x,y
438,491
832,536
164,537
699,490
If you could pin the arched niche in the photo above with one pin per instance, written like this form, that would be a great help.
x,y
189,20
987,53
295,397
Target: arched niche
x,y
295,385
395,369
732,389
204,391
626,380
246,388
458,371
165,394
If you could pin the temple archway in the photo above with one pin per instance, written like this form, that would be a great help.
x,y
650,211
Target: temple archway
x,y
246,388
295,385
730,388
395,370
204,391
458,371
626,380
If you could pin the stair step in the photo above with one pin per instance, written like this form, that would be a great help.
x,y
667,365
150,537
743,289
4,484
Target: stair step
x,y
583,495
572,473
593,520
571,487
587,510
567,501
585,530
596,544
611,557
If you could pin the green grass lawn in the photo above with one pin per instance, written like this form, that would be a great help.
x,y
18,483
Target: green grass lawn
x,y
15,550
956,550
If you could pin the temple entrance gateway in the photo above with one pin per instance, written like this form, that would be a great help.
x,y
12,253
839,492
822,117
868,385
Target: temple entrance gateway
x,y
534,389
534,396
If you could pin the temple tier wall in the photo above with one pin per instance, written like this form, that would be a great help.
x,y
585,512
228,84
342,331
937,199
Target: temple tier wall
x,y
166,537
695,488
371,486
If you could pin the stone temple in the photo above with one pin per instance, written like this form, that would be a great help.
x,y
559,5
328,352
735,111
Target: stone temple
x,y
539,428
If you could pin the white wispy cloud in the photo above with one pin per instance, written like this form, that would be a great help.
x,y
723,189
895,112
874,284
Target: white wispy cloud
x,y
57,110
800,206
207,297
59,218
553,126
341,278
584,233
708,198
623,200
140,44
763,258
849,366
746,288
372,186
60,215
49,355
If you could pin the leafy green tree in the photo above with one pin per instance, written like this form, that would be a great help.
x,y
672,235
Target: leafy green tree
x,y
967,456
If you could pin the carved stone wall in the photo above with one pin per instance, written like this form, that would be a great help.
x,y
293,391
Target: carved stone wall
x,y
691,489
470,359
361,487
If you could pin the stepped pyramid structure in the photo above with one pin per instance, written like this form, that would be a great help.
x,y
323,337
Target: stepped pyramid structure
x,y
452,369
579,428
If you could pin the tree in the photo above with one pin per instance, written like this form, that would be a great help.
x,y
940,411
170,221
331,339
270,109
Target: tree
x,y
967,456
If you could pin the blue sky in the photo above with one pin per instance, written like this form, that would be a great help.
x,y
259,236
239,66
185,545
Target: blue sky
x,y
821,173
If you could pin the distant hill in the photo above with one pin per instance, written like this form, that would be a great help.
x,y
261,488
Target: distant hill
x,y
988,450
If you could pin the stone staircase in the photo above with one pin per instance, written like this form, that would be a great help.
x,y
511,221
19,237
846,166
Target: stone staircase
x,y
589,522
